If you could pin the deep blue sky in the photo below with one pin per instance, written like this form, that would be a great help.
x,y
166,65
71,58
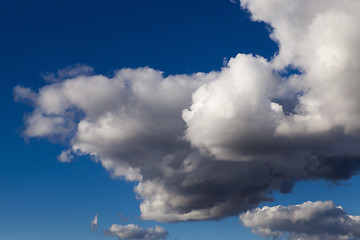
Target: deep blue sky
x,y
41,198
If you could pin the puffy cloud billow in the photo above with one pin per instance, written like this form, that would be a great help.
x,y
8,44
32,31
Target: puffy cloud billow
x,y
310,220
211,145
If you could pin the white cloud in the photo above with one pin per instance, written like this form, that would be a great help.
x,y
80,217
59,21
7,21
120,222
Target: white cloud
x,y
24,94
310,220
65,156
42,126
211,145
94,223
132,231
234,108
320,37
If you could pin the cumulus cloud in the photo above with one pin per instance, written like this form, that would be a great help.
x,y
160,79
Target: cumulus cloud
x,y
318,37
94,223
132,231
310,220
211,145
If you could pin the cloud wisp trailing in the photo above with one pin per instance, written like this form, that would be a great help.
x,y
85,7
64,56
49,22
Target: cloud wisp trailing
x,y
310,220
69,72
211,145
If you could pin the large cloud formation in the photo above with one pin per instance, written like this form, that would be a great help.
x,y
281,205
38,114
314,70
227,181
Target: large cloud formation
x,y
211,145
310,220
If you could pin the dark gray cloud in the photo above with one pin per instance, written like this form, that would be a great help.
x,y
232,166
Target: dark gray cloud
x,y
211,145
132,231
310,220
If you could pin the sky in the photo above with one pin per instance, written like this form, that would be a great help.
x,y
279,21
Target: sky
x,y
180,119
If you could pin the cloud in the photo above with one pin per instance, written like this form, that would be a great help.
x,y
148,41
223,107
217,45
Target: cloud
x,y
310,220
132,231
94,223
24,94
65,156
69,72
318,37
211,145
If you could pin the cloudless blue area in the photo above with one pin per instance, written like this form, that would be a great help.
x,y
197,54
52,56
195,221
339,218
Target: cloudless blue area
x,y
41,198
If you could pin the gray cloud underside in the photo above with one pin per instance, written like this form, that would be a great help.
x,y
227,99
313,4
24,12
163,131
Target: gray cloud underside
x,y
211,145
132,231
310,221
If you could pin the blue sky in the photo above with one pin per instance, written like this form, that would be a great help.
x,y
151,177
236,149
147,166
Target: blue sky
x,y
43,198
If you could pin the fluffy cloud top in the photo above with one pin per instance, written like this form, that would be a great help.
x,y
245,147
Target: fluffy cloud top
x,y
310,220
211,145
132,231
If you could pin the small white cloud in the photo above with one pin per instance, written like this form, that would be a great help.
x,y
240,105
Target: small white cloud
x,y
65,156
94,223
132,231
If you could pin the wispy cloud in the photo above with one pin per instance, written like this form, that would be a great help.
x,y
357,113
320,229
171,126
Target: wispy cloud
x,y
69,72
